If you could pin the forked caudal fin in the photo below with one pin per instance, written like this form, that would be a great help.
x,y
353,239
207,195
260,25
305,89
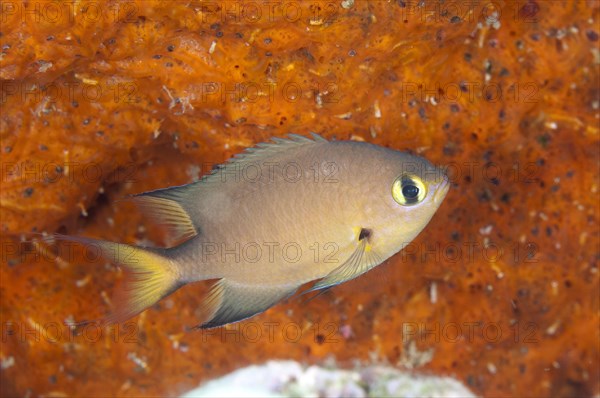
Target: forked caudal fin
x,y
150,275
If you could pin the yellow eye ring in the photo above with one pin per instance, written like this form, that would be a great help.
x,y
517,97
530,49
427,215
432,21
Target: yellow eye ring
x,y
408,190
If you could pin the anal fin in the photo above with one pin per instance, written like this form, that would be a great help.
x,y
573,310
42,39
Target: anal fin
x,y
230,301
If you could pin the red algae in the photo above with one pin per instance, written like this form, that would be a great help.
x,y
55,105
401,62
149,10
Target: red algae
x,y
103,100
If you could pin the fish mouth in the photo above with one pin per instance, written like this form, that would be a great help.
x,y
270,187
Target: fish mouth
x,y
441,191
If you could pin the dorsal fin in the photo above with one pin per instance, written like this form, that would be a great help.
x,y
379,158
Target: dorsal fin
x,y
170,208
234,168
176,207
264,150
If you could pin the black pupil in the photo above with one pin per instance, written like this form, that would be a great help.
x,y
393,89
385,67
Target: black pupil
x,y
410,191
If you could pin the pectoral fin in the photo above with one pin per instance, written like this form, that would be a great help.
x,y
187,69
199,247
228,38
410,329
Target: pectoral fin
x,y
362,260
231,301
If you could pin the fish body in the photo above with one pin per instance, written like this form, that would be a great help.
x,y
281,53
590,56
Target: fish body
x,y
278,216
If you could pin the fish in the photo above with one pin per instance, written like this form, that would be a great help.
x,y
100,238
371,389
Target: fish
x,y
278,216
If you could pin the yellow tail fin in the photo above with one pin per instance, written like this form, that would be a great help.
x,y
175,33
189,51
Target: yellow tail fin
x,y
150,275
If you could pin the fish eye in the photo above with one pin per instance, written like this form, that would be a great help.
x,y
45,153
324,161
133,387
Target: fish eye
x,y
408,190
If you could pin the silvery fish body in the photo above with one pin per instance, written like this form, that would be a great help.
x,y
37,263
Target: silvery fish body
x,y
278,216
